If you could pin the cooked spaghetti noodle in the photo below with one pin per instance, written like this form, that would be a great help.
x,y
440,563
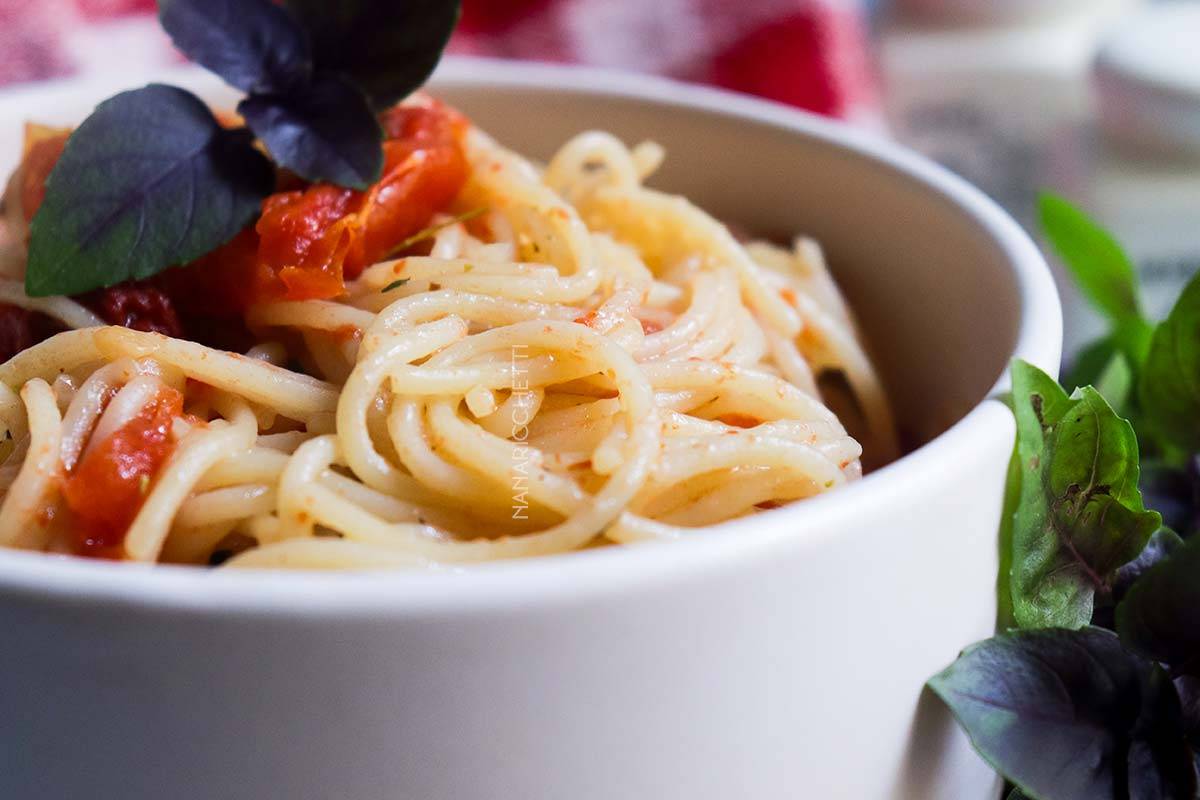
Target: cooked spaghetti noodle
x,y
579,360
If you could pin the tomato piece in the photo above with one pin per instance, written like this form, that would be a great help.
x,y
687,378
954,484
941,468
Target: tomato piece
x,y
424,170
107,488
43,147
311,241
303,240
220,283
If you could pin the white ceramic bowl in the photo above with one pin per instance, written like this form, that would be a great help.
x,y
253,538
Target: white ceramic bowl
x,y
778,657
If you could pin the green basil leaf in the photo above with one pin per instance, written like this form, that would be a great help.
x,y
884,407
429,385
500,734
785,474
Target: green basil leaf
x,y
388,47
326,133
1080,516
1071,715
1132,337
147,181
1005,618
1090,363
1115,382
254,45
1101,269
1038,403
1160,615
1169,384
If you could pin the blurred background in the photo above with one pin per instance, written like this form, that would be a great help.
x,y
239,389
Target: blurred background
x,y
1098,100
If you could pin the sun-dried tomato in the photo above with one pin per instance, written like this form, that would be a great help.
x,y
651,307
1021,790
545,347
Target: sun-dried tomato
x,y
21,329
136,306
16,331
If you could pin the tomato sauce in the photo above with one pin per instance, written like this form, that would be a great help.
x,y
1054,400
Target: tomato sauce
x,y
107,488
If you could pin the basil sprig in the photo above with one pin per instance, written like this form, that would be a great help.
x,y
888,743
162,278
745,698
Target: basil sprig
x,y
387,47
151,179
148,180
1092,689
1103,272
1060,705
1080,515
1149,373
1071,715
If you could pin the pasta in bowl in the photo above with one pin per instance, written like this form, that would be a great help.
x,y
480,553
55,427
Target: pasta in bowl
x,y
476,358
739,662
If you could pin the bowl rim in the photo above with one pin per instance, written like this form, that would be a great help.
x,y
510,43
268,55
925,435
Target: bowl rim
x,y
577,576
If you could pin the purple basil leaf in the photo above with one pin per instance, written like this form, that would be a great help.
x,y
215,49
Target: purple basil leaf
x,y
1162,544
328,133
1160,764
1160,615
1172,491
1188,688
148,181
1071,715
255,45
388,47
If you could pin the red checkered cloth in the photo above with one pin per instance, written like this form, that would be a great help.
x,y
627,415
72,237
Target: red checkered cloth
x,y
809,53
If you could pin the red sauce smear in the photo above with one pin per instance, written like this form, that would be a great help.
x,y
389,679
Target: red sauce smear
x,y
107,488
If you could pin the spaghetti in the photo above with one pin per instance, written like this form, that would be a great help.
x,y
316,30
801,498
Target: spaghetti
x,y
563,358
